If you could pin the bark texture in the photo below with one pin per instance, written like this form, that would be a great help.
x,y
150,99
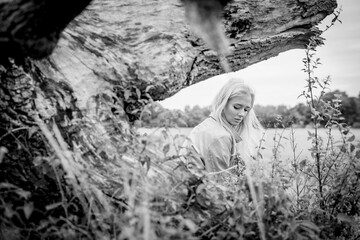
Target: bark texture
x,y
148,46
130,43
33,27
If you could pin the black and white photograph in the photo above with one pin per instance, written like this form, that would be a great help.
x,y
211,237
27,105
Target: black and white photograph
x,y
179,119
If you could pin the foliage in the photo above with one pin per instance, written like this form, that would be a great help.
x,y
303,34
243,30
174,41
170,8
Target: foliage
x,y
325,187
157,116
300,115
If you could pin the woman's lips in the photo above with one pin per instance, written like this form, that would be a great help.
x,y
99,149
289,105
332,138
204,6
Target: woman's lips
x,y
238,120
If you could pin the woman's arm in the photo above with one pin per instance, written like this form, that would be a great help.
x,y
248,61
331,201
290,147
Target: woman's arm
x,y
218,154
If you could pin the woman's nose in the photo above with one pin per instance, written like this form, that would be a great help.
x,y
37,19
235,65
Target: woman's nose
x,y
241,112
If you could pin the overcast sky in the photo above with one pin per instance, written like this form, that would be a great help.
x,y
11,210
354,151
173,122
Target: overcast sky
x,y
279,80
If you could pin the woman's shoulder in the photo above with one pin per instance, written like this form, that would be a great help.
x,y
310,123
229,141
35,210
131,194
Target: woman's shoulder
x,y
211,128
210,136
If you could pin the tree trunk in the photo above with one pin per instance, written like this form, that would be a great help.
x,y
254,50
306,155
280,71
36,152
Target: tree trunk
x,y
110,61
33,27
152,51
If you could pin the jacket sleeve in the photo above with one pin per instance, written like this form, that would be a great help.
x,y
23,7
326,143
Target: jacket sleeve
x,y
217,156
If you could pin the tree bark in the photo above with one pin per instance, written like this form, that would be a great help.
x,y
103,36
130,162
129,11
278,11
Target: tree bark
x,y
33,27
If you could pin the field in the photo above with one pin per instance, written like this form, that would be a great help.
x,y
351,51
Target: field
x,y
272,138
280,147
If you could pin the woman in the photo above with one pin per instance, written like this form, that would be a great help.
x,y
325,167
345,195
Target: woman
x,y
230,134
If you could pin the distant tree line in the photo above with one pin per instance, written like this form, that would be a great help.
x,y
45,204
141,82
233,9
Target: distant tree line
x,y
155,115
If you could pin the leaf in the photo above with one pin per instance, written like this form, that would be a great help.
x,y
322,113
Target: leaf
x,y
345,218
138,93
9,212
166,148
146,111
146,160
7,185
32,130
149,87
190,224
231,221
352,147
148,163
343,149
310,225
53,206
23,193
28,209
200,188
127,94
135,111
314,112
137,123
357,154
3,151
302,164
165,134
352,138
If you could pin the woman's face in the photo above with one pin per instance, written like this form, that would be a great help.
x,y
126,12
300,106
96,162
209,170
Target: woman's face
x,y
237,108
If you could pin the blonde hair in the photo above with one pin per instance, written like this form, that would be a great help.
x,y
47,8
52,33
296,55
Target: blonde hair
x,y
250,128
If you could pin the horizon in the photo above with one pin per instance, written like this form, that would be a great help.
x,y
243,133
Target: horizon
x,y
270,78
256,104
